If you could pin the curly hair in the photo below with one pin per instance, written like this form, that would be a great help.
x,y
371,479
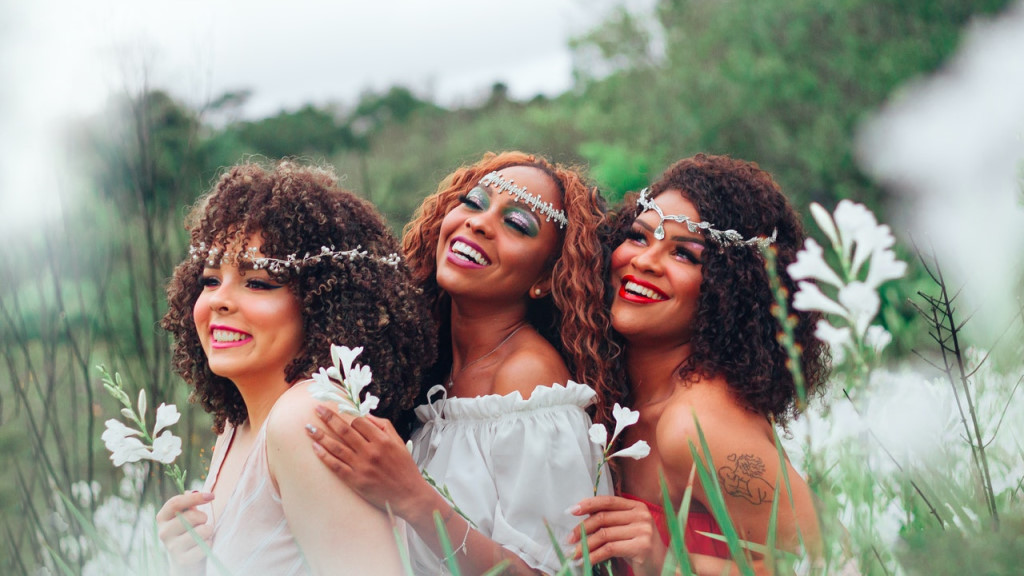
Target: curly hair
x,y
574,317
735,334
361,301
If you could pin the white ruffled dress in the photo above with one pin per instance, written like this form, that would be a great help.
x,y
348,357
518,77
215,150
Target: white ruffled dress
x,y
510,464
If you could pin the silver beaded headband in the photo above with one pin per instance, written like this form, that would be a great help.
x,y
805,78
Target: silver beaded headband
x,y
519,194
292,261
723,237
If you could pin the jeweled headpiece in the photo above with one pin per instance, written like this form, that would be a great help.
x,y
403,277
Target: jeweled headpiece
x,y
646,202
519,194
292,261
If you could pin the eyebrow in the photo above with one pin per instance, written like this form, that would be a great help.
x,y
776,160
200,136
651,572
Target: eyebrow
x,y
692,239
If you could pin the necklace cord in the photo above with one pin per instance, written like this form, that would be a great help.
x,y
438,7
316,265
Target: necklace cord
x,y
451,379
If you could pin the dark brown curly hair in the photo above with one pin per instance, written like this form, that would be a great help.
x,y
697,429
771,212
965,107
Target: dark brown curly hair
x,y
355,302
735,333
574,317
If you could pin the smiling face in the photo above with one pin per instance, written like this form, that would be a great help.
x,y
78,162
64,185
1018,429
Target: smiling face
x,y
493,247
249,326
657,282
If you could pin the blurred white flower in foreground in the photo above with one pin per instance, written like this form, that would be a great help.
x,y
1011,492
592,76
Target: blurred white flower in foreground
x,y
857,241
599,435
952,146
343,383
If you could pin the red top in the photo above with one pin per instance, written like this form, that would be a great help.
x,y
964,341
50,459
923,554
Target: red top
x,y
696,521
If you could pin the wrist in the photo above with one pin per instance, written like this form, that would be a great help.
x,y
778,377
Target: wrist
x,y
420,508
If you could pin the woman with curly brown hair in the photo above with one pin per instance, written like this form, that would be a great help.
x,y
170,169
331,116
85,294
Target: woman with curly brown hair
x,y
283,264
508,251
693,307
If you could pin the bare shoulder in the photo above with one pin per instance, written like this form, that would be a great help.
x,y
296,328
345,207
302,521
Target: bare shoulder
x,y
535,363
286,423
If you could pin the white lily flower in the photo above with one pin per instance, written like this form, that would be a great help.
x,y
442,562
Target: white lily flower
x,y
639,449
623,417
877,338
142,405
869,242
824,220
838,339
810,263
359,378
122,443
851,219
323,389
861,302
368,404
810,298
166,448
884,266
342,356
166,415
598,434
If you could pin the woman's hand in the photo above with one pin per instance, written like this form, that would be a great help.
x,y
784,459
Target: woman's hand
x,y
619,528
371,458
171,521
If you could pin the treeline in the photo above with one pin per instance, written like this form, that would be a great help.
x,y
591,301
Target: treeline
x,y
782,82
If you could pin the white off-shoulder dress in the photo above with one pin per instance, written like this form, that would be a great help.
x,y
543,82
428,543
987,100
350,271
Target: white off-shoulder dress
x,y
510,465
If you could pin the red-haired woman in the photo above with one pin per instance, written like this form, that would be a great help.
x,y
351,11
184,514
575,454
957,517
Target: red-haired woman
x,y
508,251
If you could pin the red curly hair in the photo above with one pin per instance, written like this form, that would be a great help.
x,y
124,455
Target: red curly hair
x,y
574,317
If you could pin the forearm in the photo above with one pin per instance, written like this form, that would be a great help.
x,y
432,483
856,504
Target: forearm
x,y
474,552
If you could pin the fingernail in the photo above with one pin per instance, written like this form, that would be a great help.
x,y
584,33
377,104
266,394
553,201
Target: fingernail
x,y
321,411
310,428
318,448
573,510
207,496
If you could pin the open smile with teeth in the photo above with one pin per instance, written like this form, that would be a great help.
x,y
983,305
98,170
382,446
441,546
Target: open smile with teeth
x,y
637,289
224,336
467,252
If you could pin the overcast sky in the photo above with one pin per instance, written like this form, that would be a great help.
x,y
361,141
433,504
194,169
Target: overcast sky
x,y
61,58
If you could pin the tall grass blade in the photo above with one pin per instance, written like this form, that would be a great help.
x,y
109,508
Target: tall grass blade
x,y
446,545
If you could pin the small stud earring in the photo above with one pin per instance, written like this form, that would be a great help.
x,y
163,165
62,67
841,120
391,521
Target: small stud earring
x,y
536,291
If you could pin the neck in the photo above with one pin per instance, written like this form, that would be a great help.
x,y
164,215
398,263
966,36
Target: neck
x,y
477,330
259,397
652,370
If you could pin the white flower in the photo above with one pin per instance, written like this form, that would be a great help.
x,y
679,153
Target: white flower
x,y
838,339
810,263
810,298
359,378
598,434
623,417
877,338
870,241
824,220
166,448
884,266
323,389
342,356
368,404
123,444
852,219
639,449
166,415
861,302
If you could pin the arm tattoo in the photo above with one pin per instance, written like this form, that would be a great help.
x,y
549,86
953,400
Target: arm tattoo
x,y
744,479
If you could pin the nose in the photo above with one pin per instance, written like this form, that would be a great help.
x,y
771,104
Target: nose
x,y
649,260
220,300
481,223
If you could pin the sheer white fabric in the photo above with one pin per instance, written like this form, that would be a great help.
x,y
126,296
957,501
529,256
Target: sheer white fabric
x,y
510,464
252,535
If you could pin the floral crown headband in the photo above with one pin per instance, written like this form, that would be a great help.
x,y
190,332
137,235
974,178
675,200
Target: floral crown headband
x,y
291,261
519,194
645,201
